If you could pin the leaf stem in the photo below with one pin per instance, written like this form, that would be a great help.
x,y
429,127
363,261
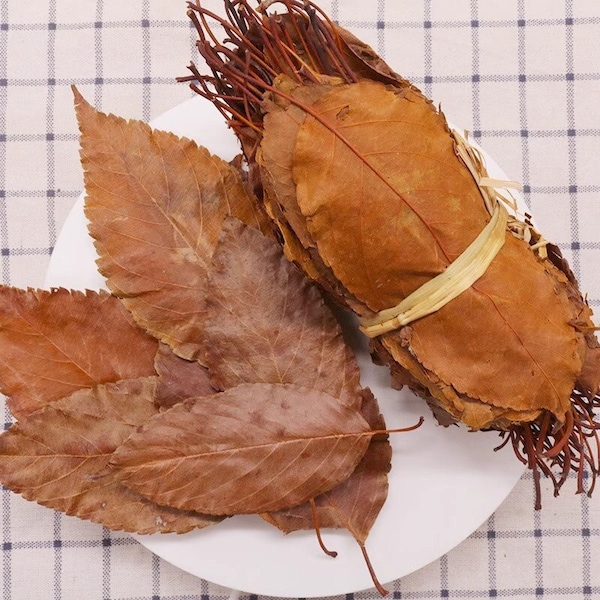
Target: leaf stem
x,y
376,582
547,444
315,516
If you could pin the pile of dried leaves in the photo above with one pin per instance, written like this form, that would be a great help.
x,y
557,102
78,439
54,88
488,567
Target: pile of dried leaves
x,y
213,379
395,217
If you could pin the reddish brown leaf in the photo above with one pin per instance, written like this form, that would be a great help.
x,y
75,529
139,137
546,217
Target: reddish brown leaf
x,y
156,203
253,448
58,456
276,159
386,168
268,324
374,150
355,503
179,379
364,61
55,342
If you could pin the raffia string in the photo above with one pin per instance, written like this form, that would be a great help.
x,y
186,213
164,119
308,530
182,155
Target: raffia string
x,y
462,273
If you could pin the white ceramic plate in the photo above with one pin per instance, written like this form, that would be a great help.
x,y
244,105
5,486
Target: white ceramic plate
x,y
444,482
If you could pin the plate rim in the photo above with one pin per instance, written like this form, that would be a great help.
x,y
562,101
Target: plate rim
x,y
164,550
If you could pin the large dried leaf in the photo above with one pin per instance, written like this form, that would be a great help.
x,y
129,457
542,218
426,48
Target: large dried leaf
x,y
156,203
254,448
267,324
372,165
277,155
179,379
525,341
58,456
53,343
355,503
282,123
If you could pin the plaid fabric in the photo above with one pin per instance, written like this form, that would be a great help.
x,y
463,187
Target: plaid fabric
x,y
522,76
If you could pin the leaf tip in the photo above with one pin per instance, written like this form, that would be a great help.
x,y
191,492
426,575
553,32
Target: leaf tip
x,y
77,97
82,106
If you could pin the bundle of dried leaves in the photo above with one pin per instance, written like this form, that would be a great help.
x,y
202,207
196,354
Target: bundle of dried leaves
x,y
393,214
212,380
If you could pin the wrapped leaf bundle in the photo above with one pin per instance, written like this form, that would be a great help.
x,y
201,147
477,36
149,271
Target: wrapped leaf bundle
x,y
393,214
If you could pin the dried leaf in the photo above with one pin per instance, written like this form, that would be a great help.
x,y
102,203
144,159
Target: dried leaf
x,y
156,203
390,199
275,156
267,324
254,448
419,197
179,379
55,342
58,456
355,503
392,156
364,61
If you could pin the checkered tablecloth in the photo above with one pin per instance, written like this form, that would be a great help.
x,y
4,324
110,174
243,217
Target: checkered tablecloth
x,y
522,75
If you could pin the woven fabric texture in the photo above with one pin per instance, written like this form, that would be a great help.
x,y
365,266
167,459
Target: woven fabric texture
x,y
522,76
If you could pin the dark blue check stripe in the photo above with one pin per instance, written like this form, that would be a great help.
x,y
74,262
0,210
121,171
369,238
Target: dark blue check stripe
x,y
569,61
474,23
3,128
50,148
106,25
428,58
383,20
147,60
98,55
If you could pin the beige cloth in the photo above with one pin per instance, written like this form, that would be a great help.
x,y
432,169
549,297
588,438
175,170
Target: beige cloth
x,y
523,77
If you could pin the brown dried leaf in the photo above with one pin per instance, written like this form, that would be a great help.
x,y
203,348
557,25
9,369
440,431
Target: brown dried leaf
x,y
276,160
276,157
373,144
526,337
355,503
253,448
365,62
55,342
156,203
58,456
267,324
179,379
384,167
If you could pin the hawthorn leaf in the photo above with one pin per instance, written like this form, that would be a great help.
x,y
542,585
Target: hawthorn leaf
x,y
250,449
266,323
53,343
385,167
58,457
179,379
156,203
356,502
